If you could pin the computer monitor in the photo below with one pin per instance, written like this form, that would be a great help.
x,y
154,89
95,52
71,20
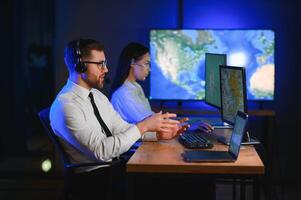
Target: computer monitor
x,y
233,92
212,79
178,60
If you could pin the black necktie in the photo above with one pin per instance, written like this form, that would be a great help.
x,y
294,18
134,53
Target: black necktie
x,y
102,123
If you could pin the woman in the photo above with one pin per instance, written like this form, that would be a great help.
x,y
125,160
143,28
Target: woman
x,y
128,98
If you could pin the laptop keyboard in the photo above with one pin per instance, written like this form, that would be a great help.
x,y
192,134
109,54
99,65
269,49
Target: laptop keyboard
x,y
193,140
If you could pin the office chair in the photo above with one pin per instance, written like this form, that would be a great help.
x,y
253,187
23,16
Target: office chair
x,y
77,184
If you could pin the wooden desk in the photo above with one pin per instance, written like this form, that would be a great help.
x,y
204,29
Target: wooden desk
x,y
165,157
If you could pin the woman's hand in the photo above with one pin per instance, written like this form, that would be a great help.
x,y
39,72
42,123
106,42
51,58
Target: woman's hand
x,y
173,131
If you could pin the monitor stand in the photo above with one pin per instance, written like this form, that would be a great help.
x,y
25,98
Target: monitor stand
x,y
248,140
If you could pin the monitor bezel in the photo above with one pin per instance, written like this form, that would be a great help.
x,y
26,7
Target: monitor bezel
x,y
205,99
245,117
243,73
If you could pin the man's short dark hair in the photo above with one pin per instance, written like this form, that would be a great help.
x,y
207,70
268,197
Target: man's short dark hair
x,y
85,47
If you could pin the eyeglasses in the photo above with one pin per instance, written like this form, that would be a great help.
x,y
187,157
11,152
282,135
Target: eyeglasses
x,y
101,64
143,65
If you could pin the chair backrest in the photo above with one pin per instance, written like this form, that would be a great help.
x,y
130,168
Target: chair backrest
x,y
76,186
68,166
44,117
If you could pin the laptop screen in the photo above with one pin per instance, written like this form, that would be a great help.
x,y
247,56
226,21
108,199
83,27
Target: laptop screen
x,y
238,132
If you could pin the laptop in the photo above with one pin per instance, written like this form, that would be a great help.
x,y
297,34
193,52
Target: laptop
x,y
231,155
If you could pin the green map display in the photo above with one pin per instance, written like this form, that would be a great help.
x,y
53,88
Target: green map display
x,y
212,89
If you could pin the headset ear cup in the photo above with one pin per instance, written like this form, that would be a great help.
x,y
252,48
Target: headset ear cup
x,y
84,67
80,67
132,61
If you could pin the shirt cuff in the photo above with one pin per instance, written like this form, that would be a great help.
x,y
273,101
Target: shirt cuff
x,y
149,137
134,131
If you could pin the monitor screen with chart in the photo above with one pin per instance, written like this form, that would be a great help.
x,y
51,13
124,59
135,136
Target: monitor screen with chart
x,y
233,92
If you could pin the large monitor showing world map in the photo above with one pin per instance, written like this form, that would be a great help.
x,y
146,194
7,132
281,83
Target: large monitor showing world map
x,y
178,61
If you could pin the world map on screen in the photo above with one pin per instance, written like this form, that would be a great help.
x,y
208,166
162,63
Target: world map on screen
x,y
178,61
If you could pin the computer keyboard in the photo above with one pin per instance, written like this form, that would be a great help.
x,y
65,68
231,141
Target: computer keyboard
x,y
194,140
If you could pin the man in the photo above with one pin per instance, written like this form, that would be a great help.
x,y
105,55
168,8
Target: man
x,y
85,120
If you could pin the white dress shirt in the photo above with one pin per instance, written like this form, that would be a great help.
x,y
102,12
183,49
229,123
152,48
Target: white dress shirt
x,y
130,102
73,120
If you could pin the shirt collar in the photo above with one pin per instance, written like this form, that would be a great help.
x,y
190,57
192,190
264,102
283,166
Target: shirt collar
x,y
132,85
78,90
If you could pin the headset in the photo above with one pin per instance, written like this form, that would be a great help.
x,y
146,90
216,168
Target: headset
x,y
133,61
80,66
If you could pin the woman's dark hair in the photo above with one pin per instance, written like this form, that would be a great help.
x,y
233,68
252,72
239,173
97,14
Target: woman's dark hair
x,y
132,51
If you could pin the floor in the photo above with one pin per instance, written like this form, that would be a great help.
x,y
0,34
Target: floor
x,y
51,189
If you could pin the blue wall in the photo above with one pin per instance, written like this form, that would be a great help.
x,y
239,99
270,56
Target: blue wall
x,y
113,23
